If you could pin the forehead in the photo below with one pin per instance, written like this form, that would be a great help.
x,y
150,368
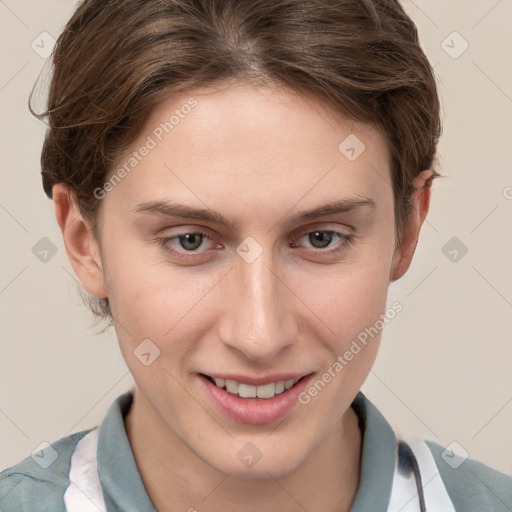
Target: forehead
x,y
254,139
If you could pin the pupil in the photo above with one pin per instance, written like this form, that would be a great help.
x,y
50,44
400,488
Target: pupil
x,y
322,236
187,241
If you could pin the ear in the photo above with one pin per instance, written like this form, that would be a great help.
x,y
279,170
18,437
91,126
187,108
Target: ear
x,y
81,246
420,200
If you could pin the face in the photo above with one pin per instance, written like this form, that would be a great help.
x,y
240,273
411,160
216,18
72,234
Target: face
x,y
291,264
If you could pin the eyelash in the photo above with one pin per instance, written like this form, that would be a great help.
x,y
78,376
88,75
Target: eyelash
x,y
345,241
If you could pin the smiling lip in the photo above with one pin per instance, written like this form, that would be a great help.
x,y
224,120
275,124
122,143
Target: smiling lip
x,y
257,381
255,411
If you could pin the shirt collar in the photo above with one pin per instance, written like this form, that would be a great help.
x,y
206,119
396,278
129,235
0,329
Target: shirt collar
x,y
378,457
124,490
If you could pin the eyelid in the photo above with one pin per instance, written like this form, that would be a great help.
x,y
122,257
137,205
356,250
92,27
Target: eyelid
x,y
345,239
319,226
323,226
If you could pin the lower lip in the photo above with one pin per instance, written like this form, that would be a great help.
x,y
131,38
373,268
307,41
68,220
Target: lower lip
x,y
255,411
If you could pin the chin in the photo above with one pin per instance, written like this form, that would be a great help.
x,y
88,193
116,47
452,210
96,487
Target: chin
x,y
249,462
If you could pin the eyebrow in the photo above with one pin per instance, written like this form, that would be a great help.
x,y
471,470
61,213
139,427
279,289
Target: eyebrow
x,y
169,209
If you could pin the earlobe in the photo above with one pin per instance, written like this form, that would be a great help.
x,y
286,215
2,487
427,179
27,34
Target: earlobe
x,y
420,200
81,247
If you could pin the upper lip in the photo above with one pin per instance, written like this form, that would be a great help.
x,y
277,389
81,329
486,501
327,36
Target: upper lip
x,y
257,381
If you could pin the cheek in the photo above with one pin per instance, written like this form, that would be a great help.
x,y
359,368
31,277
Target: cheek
x,y
152,300
349,297
140,282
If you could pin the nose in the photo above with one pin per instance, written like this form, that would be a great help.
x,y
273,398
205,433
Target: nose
x,y
258,318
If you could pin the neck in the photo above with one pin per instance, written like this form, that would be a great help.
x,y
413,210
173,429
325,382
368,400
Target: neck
x,y
177,479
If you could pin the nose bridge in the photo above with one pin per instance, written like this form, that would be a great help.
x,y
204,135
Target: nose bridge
x,y
258,320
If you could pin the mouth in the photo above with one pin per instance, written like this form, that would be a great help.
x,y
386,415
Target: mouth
x,y
245,390
255,400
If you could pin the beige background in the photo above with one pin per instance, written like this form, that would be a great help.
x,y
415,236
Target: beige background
x,y
443,370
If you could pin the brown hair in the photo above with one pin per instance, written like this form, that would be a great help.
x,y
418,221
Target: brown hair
x,y
115,59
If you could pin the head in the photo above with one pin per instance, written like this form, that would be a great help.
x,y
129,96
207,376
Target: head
x,y
256,113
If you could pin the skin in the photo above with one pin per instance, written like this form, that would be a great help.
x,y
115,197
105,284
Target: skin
x,y
256,155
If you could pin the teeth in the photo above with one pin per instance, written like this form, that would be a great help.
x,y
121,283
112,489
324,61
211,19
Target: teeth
x,y
248,391
232,386
266,391
289,383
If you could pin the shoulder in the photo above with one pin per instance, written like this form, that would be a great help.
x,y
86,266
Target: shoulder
x,y
39,481
472,485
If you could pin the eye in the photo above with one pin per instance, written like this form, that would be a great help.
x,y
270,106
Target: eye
x,y
320,239
183,243
188,244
